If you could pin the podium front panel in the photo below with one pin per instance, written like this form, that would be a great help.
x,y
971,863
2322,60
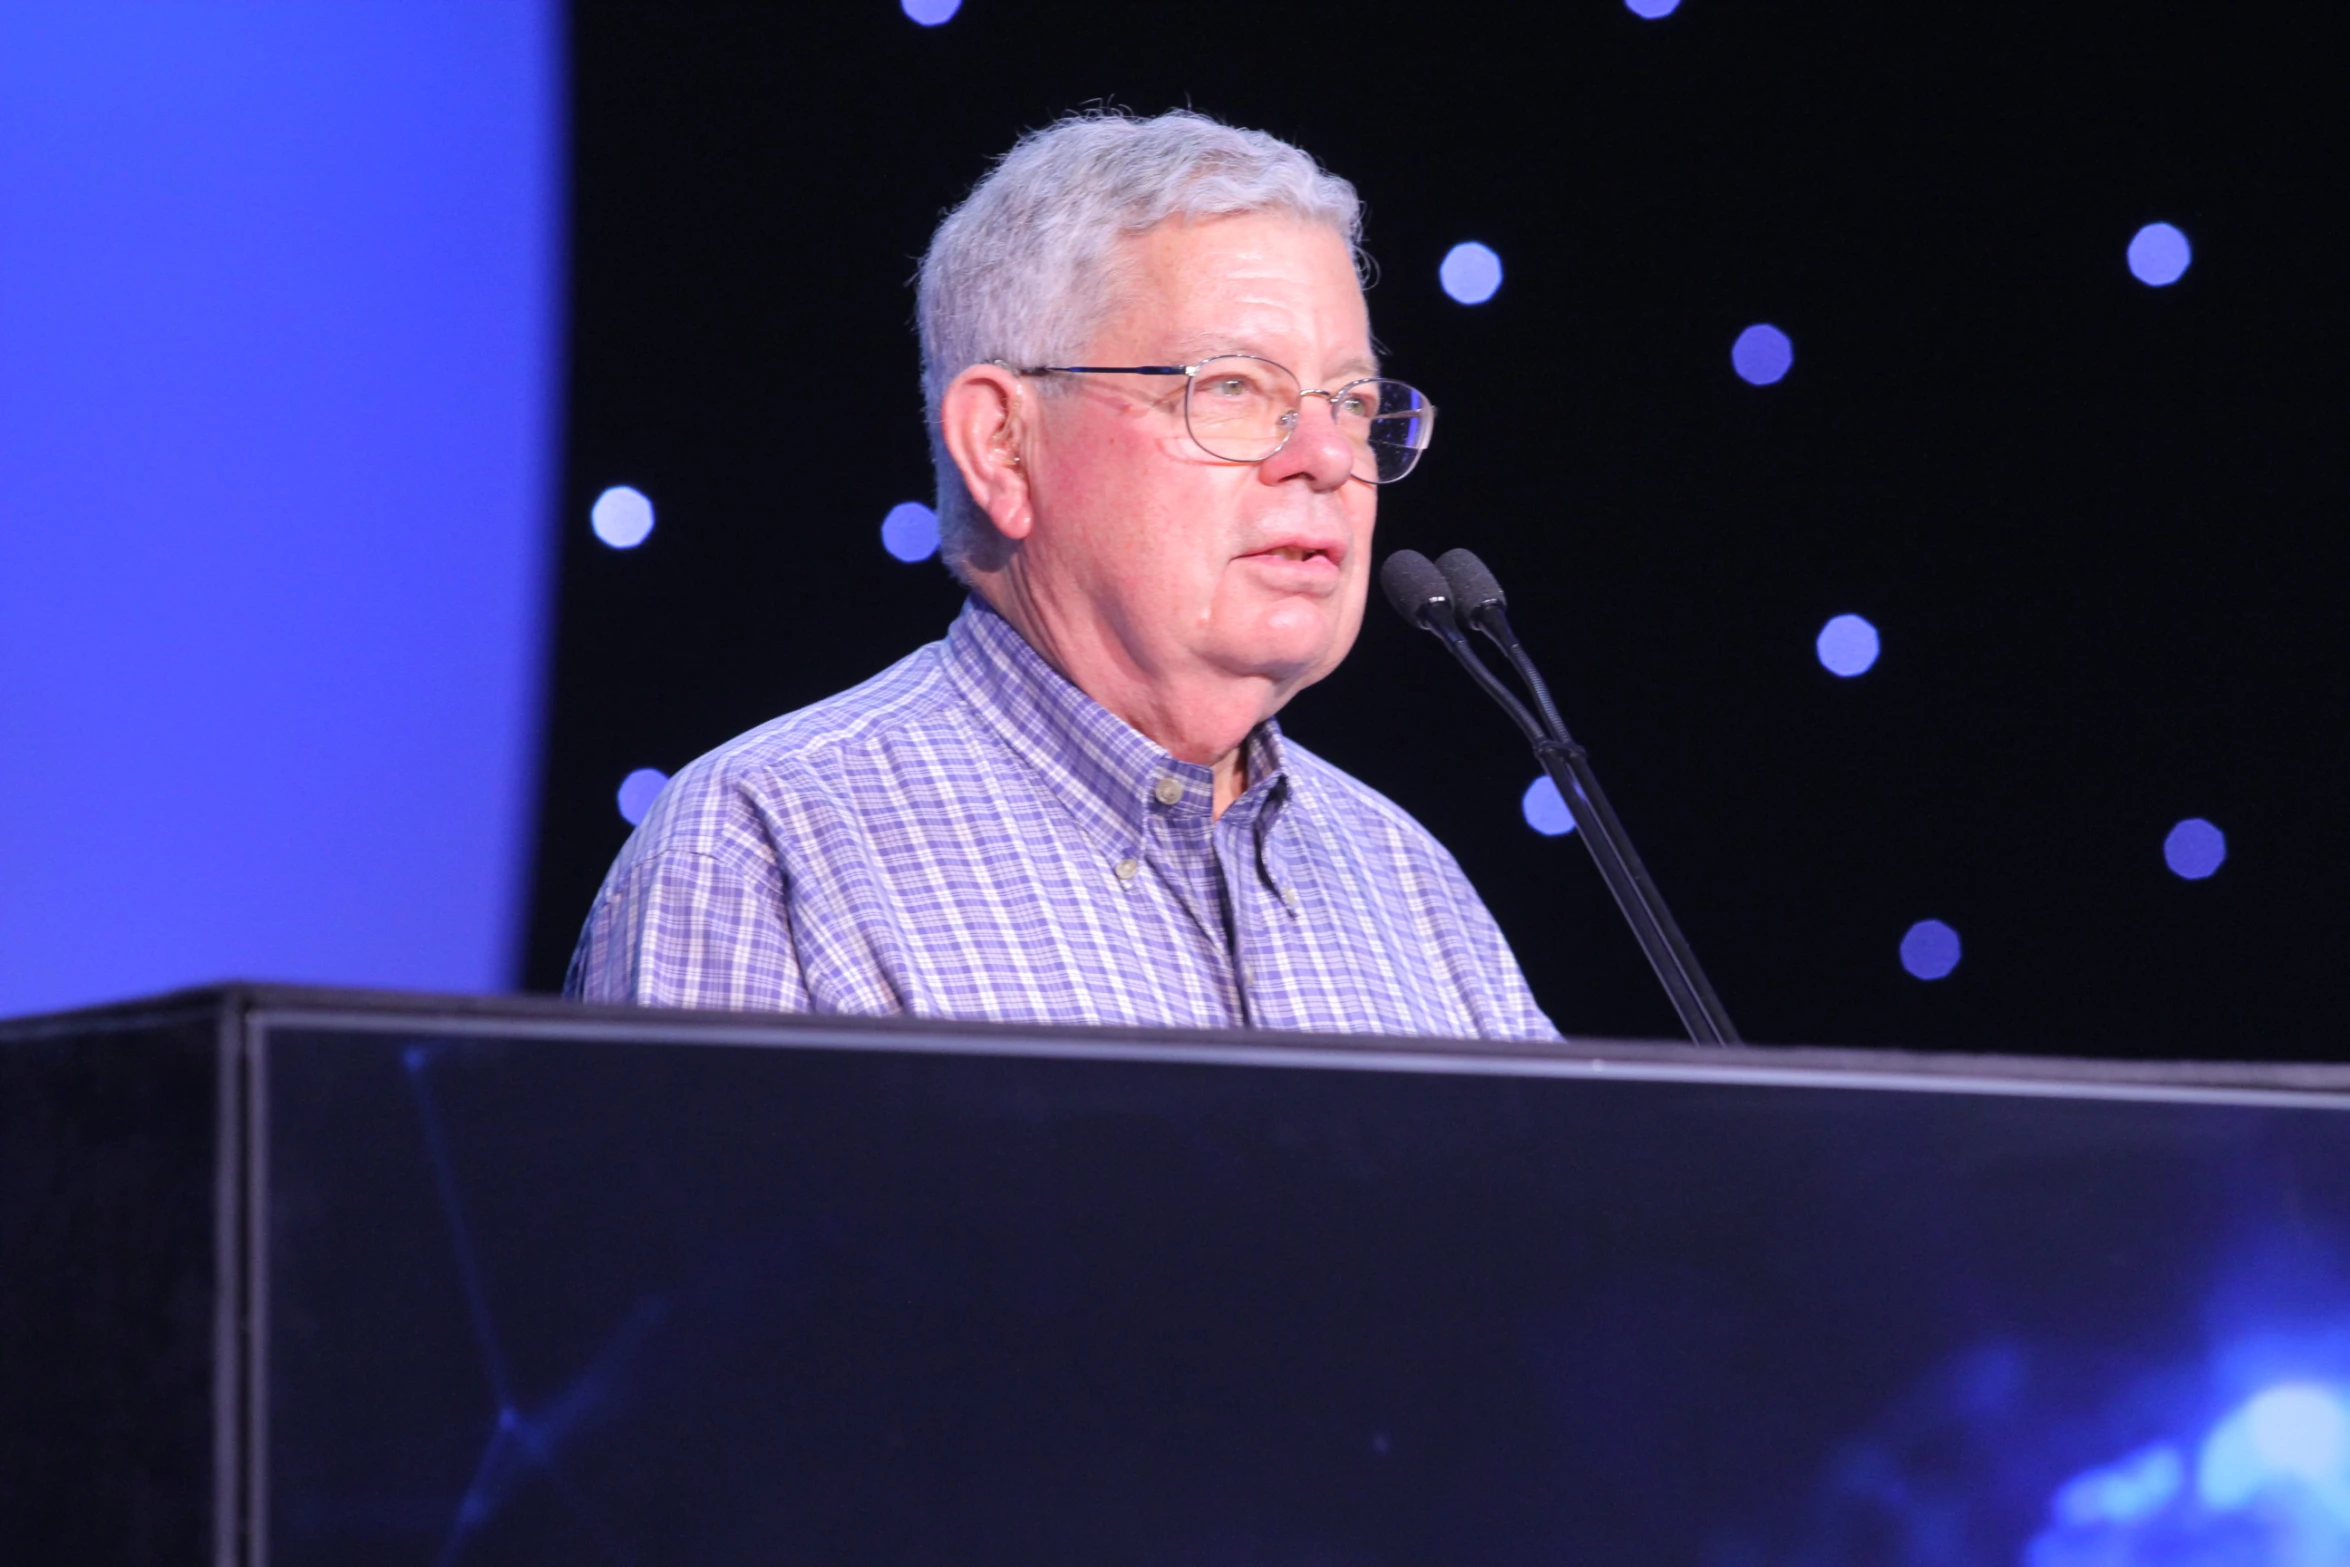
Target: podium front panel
x,y
538,1293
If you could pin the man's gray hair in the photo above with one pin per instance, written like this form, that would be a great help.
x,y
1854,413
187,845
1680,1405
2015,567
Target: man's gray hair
x,y
1023,270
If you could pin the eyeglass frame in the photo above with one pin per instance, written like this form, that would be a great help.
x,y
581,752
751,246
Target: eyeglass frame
x,y
1191,372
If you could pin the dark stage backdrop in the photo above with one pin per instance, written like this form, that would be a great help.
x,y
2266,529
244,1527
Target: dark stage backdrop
x,y
2097,524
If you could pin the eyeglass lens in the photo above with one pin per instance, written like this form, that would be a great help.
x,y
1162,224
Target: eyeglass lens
x,y
1242,409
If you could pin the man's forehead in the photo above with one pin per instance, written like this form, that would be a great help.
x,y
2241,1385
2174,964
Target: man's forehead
x,y
1211,310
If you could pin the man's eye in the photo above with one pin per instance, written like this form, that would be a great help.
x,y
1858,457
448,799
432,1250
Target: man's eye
x,y
1230,386
1357,406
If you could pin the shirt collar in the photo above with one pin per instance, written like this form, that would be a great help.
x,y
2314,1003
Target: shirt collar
x,y
1103,768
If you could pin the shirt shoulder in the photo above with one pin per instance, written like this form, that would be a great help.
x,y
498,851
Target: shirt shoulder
x,y
1353,804
723,803
694,909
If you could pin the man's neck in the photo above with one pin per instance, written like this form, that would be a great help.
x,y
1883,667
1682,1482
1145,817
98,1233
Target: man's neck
x,y
1205,718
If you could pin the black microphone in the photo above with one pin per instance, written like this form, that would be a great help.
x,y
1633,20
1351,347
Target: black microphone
x,y
1458,588
1416,588
1421,595
1479,603
1470,583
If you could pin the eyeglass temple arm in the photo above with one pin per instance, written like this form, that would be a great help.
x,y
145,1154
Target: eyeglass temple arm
x,y
1109,370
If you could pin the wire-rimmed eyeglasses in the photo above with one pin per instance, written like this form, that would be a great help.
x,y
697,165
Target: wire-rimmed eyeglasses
x,y
1243,408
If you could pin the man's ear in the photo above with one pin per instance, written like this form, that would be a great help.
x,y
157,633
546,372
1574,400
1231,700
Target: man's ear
x,y
983,417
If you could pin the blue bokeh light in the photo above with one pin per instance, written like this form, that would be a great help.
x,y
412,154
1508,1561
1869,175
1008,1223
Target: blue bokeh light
x,y
910,531
1930,950
1762,355
2194,848
1847,646
1471,273
2159,255
1546,809
622,517
639,790
1652,9
930,13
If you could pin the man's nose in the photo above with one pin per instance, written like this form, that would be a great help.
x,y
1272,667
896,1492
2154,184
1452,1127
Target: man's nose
x,y
1316,449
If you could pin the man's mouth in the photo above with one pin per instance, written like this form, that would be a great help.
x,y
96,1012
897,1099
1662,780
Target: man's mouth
x,y
1302,565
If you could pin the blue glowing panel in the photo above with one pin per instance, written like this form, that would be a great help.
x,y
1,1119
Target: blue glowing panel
x,y
1763,354
1471,273
931,13
1652,9
2194,848
1847,646
2159,255
910,531
1546,809
1930,949
639,790
280,327
622,517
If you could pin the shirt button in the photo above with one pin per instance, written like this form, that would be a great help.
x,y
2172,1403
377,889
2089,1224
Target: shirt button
x,y
1127,868
1289,896
1170,791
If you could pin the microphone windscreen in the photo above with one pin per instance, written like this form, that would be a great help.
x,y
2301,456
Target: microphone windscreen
x,y
1472,586
1414,586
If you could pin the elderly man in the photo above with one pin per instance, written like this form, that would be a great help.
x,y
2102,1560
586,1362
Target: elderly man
x,y
1159,429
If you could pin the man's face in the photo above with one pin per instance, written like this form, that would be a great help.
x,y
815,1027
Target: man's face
x,y
1186,564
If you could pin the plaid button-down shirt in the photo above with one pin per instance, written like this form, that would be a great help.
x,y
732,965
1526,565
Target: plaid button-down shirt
x,y
968,835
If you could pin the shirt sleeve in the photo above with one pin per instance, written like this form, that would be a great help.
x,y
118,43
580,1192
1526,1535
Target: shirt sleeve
x,y
683,928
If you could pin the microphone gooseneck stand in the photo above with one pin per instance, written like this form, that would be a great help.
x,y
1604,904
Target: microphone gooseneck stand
x,y
1439,597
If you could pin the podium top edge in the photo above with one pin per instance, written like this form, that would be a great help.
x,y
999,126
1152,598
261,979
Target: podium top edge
x,y
280,1006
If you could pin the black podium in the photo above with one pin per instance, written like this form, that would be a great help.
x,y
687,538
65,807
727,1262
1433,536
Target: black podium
x,y
308,1277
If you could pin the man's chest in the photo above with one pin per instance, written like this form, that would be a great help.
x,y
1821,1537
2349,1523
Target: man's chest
x,y
1019,918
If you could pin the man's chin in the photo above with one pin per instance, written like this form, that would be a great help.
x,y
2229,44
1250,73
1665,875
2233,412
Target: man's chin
x,y
1286,661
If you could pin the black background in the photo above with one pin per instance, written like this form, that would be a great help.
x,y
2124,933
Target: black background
x,y
2098,524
